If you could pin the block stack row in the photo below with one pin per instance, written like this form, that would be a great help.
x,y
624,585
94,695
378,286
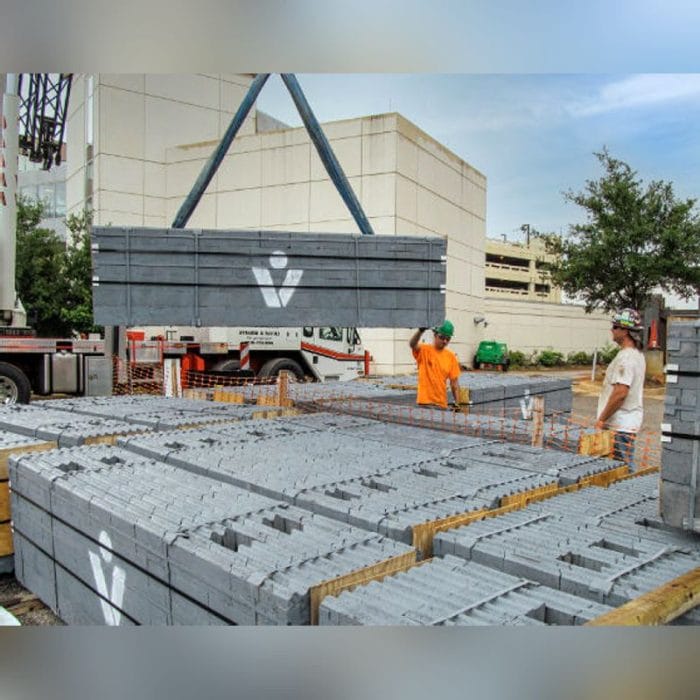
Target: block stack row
x,y
565,560
103,535
491,392
680,459
245,522
385,478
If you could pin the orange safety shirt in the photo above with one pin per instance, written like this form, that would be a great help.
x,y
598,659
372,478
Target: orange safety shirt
x,y
435,367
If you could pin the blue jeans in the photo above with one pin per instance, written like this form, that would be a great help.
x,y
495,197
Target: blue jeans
x,y
623,448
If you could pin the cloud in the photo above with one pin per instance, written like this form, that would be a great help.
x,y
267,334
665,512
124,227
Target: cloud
x,y
640,91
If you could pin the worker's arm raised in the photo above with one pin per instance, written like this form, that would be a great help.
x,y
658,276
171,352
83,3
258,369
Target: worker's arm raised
x,y
415,338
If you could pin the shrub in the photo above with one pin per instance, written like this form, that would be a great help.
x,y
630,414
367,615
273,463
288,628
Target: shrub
x,y
550,358
607,354
579,358
518,358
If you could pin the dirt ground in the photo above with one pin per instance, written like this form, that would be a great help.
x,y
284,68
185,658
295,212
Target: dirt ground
x,y
23,604
29,610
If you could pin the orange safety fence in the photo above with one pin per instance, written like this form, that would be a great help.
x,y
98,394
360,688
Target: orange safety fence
x,y
568,432
564,431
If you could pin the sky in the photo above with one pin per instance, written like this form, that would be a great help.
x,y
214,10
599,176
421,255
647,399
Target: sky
x,y
532,136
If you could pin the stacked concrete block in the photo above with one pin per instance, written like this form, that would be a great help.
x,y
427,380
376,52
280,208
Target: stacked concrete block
x,y
96,523
578,544
156,413
282,466
305,393
495,392
66,429
500,427
435,442
11,443
397,501
368,474
105,536
259,568
680,459
266,278
566,468
454,592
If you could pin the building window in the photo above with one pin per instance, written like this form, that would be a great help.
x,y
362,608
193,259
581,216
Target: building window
x,y
507,284
60,199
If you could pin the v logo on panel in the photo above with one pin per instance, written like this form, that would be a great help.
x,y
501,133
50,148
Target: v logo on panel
x,y
277,298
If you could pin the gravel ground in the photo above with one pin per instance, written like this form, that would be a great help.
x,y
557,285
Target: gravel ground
x,y
28,609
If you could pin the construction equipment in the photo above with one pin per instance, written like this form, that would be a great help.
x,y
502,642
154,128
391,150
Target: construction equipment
x,y
492,355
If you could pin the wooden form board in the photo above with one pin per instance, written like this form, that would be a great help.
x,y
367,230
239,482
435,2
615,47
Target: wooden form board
x,y
145,276
657,607
346,582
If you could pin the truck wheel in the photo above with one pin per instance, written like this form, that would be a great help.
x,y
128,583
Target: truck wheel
x,y
14,385
506,365
227,366
273,367
476,363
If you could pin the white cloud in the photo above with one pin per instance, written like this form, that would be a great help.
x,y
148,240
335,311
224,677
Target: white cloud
x,y
640,91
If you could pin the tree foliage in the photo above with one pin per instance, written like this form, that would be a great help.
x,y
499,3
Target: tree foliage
x,y
634,241
77,308
54,280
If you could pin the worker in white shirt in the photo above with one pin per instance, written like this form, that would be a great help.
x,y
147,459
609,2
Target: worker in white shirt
x,y
620,404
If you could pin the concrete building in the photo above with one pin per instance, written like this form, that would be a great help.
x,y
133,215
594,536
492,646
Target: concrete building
x,y
514,271
139,141
47,186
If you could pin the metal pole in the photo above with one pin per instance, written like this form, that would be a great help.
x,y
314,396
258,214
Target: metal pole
x,y
9,149
212,165
595,360
326,154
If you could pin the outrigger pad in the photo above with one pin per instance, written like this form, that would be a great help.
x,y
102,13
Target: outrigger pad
x,y
148,276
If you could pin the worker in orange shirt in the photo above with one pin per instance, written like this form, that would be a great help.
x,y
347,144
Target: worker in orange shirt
x,y
436,364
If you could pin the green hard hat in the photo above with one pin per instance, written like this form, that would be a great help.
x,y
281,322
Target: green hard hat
x,y
445,329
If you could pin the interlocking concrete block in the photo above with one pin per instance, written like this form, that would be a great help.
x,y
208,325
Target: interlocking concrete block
x,y
35,570
259,568
78,605
554,548
450,591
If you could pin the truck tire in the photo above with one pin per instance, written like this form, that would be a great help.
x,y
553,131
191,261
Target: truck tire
x,y
506,365
14,385
476,363
274,366
227,366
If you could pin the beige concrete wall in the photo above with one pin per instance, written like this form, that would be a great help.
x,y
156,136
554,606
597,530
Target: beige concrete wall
x,y
134,119
407,183
528,326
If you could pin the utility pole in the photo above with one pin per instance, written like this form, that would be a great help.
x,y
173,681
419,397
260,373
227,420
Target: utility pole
x,y
525,228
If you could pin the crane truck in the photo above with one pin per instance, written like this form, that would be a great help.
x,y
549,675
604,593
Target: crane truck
x,y
34,109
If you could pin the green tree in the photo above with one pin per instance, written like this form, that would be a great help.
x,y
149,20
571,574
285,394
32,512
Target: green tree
x,y
54,279
635,239
77,308
40,271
